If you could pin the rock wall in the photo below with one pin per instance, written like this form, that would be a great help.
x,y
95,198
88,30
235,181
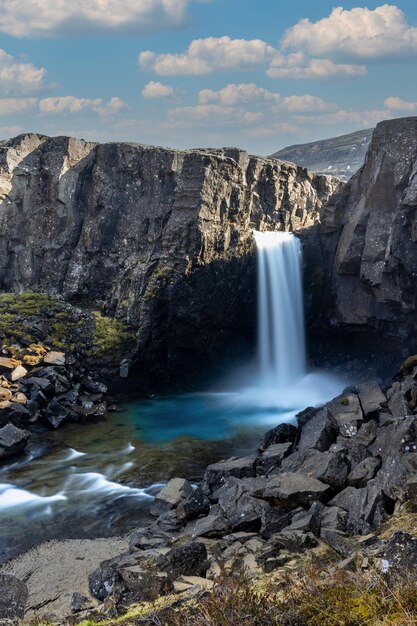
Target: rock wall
x,y
160,238
369,235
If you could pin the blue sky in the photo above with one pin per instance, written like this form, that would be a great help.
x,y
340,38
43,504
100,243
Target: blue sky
x,y
192,73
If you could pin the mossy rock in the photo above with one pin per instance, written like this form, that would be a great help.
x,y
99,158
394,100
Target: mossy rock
x,y
409,363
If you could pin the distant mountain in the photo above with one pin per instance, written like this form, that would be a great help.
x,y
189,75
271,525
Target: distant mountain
x,y
339,156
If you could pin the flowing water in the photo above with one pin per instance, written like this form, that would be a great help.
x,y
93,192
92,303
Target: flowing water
x,y
99,479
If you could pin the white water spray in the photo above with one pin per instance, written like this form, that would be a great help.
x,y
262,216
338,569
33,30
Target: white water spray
x,y
281,336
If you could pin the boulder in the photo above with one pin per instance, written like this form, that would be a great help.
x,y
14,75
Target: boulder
x,y
364,472
329,467
319,431
80,603
171,495
13,440
18,373
401,553
213,526
372,399
347,412
195,505
274,519
188,560
216,473
54,358
147,584
273,456
13,598
334,518
293,541
292,489
283,433
7,364
242,511
366,507
338,541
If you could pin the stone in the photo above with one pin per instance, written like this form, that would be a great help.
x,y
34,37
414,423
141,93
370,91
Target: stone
x,y
195,505
364,472
366,507
124,369
372,399
216,474
12,441
214,525
7,364
187,560
56,413
367,433
307,521
347,412
13,598
5,394
80,603
242,511
15,413
396,401
334,518
401,552
281,434
319,431
329,467
273,457
18,373
293,541
274,519
338,541
147,584
54,358
170,496
293,489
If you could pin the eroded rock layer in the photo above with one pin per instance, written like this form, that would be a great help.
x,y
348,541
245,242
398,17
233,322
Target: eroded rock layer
x,y
370,236
160,238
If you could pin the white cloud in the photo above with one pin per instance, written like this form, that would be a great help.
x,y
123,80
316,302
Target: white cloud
x,y
213,54
396,104
14,106
28,18
298,67
213,113
71,104
10,131
157,90
17,77
359,119
306,103
360,33
234,94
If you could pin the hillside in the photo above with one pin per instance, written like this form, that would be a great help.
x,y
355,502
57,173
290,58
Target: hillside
x,y
339,156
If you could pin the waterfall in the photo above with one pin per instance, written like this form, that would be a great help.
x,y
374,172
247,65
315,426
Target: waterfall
x,y
281,336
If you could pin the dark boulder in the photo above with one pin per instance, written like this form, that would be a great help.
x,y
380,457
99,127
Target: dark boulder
x,y
364,472
13,441
331,468
372,399
13,598
176,490
217,473
283,433
291,489
401,552
187,560
319,431
273,456
195,505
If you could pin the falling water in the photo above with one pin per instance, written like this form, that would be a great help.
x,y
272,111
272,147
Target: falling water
x,y
281,333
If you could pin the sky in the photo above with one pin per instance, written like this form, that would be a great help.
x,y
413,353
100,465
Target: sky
x,y
259,75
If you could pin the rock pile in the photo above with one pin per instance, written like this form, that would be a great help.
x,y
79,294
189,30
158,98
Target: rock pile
x,y
337,475
43,386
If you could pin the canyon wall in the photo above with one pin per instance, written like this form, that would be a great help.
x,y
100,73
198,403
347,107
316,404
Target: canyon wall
x,y
157,237
368,236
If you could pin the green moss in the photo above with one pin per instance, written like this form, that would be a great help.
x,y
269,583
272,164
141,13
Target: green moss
x,y
409,363
110,334
64,328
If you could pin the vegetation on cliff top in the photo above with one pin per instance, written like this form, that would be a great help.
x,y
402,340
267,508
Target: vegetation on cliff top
x,y
30,318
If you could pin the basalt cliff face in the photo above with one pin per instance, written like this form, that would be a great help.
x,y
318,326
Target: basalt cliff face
x,y
369,235
160,238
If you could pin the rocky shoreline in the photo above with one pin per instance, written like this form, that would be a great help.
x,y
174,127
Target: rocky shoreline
x,y
330,480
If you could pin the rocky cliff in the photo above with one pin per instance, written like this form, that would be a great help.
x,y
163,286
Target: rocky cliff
x,y
369,237
159,238
339,156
